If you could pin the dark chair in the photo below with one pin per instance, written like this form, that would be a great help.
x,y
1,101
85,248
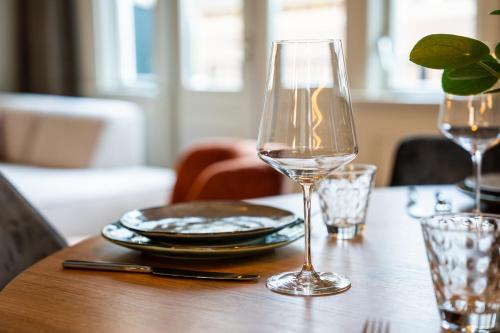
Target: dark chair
x,y
25,236
427,160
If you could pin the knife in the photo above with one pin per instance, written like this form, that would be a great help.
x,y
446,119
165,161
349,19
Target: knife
x,y
171,272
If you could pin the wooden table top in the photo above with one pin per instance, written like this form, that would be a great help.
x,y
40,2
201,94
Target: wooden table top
x,y
387,267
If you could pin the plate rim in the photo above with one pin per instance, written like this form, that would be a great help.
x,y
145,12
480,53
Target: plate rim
x,y
198,236
485,196
488,190
184,249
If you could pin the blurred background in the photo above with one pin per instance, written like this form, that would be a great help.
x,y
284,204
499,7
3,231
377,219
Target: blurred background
x,y
196,69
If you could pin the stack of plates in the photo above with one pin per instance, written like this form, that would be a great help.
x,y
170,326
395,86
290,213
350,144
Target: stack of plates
x,y
204,230
490,187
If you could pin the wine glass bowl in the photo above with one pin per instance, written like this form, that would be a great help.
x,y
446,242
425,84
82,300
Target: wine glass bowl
x,y
472,122
306,132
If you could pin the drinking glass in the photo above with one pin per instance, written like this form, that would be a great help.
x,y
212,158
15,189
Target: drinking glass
x,y
307,131
462,250
472,122
343,198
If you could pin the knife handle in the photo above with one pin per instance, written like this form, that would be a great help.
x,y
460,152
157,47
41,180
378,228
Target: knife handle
x,y
105,266
204,274
119,267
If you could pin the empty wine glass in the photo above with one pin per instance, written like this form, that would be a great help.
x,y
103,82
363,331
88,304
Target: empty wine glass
x,y
472,122
307,131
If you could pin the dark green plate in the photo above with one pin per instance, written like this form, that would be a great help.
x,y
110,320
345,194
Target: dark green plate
x,y
208,221
118,234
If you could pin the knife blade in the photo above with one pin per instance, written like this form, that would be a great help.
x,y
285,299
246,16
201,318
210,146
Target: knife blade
x,y
170,272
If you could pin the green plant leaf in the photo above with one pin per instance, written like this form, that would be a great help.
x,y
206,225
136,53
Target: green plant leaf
x,y
467,86
492,91
469,72
497,51
489,58
474,71
442,51
495,12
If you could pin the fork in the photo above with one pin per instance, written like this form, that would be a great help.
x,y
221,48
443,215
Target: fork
x,y
376,326
442,204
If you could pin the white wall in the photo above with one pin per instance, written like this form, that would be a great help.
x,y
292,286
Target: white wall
x,y
8,47
381,125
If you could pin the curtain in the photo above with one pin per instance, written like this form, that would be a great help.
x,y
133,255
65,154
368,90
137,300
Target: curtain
x,y
47,47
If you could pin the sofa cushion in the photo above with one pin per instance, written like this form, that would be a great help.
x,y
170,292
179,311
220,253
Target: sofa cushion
x,y
64,142
112,123
16,129
55,141
79,202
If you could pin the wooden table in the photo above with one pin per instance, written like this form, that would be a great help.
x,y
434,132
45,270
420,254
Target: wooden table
x,y
387,267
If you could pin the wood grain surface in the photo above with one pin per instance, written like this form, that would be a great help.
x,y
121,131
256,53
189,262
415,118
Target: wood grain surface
x,y
387,267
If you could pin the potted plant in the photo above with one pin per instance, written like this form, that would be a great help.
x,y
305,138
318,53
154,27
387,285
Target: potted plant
x,y
467,64
469,114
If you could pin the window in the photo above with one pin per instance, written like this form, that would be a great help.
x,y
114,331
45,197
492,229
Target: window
x,y
308,19
143,33
212,44
212,38
414,19
125,43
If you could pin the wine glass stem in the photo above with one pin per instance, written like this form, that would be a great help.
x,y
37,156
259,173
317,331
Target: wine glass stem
x,y
307,189
477,157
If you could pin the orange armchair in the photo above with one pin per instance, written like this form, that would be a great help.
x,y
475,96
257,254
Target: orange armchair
x,y
224,169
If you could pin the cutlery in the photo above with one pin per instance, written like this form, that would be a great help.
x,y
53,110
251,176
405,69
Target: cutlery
x,y
443,203
415,209
376,326
171,272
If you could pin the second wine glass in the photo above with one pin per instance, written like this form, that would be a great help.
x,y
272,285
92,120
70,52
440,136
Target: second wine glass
x,y
307,131
472,122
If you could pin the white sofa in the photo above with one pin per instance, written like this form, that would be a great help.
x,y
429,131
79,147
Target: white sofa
x,y
80,161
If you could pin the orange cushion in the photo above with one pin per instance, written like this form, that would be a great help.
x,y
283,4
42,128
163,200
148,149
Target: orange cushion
x,y
224,168
203,154
236,179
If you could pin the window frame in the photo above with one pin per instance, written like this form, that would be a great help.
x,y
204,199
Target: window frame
x,y
366,22
487,29
389,27
115,67
184,33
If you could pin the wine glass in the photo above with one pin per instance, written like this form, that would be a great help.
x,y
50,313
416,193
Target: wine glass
x,y
472,122
307,131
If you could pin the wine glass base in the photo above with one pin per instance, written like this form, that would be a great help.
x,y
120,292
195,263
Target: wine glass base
x,y
327,284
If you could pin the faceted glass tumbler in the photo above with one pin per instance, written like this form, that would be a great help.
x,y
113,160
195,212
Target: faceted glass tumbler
x,y
464,259
344,197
